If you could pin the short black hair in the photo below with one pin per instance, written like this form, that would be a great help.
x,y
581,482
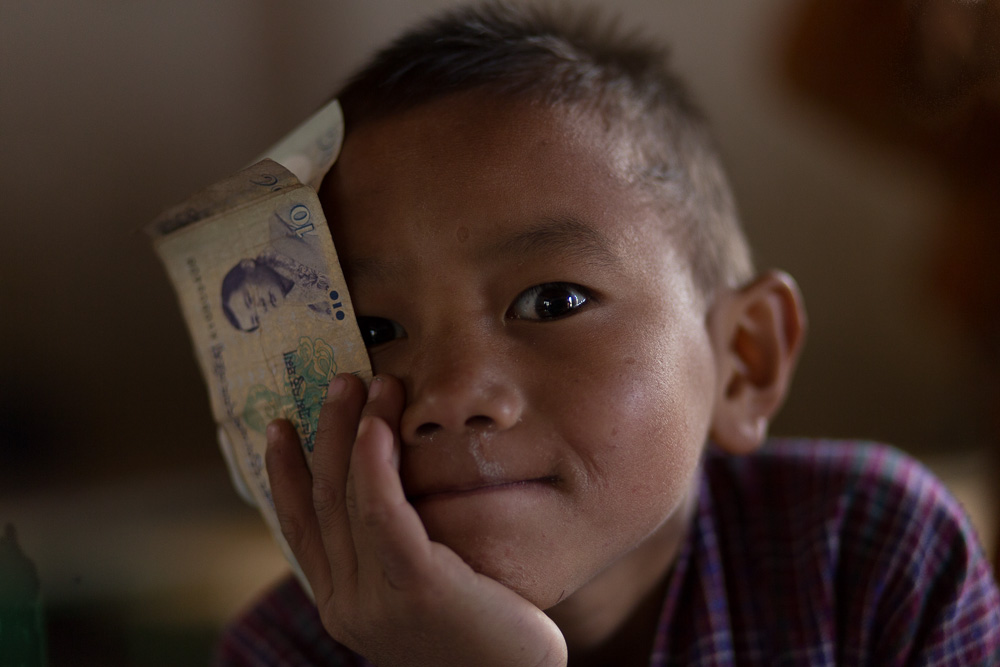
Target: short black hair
x,y
566,56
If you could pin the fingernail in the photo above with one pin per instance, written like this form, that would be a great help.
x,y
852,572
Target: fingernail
x,y
272,432
364,426
337,386
375,388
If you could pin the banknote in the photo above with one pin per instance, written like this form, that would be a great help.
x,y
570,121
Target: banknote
x,y
267,308
307,152
310,149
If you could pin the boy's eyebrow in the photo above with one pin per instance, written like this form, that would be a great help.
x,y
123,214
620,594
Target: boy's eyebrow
x,y
557,234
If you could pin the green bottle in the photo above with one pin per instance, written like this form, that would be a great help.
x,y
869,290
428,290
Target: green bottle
x,y
22,637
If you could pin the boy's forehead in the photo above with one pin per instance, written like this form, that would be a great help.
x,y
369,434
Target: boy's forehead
x,y
490,133
510,174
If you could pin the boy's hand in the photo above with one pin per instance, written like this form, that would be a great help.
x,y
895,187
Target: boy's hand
x,y
382,587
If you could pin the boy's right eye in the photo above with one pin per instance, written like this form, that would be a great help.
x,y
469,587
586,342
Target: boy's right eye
x,y
377,331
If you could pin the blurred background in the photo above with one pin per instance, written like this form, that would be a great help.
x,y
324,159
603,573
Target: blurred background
x,y
858,137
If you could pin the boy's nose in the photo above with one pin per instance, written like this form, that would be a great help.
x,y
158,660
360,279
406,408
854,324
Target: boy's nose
x,y
461,387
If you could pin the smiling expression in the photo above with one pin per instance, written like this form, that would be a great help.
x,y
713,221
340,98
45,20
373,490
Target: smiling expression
x,y
558,371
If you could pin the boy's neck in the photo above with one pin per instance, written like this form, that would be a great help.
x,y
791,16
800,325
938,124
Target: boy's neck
x,y
613,618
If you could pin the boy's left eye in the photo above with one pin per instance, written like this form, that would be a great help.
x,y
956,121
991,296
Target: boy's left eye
x,y
377,331
549,301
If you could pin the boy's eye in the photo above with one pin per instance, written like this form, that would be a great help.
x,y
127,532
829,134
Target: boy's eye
x,y
376,331
548,301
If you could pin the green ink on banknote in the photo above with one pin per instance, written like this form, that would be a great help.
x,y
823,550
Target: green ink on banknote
x,y
264,405
308,371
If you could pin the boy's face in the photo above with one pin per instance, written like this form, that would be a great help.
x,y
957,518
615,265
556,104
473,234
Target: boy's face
x,y
554,351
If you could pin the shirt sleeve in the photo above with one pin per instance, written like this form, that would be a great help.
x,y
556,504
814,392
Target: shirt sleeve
x,y
929,596
282,628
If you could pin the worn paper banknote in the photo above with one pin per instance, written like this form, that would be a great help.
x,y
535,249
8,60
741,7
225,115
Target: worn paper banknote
x,y
261,290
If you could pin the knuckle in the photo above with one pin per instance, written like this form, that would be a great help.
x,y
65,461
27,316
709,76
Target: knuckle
x,y
292,528
325,430
374,516
351,503
328,498
333,625
345,622
329,613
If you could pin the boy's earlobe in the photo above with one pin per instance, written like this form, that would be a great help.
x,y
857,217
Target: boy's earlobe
x,y
757,332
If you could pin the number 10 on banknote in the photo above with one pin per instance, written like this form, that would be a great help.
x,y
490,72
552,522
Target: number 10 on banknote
x,y
261,290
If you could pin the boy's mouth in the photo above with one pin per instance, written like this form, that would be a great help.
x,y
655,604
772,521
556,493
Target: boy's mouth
x,y
479,486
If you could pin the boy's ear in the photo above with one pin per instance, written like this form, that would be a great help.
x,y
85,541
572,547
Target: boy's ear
x,y
757,332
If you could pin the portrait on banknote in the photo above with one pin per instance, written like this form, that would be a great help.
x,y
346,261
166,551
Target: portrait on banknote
x,y
288,270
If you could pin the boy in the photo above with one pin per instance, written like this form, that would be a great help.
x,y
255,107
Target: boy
x,y
561,312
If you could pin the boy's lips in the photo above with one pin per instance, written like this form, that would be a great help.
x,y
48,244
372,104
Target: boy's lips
x,y
482,485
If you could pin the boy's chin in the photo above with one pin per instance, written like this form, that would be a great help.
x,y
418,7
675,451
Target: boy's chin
x,y
541,580
509,536
544,594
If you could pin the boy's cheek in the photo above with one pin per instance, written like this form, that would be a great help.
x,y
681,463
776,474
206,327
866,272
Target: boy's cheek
x,y
627,442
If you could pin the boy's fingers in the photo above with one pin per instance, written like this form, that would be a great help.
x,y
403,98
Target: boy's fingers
x,y
387,531
386,400
291,490
386,527
338,421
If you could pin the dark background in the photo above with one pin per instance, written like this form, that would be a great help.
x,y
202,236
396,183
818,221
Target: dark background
x,y
111,111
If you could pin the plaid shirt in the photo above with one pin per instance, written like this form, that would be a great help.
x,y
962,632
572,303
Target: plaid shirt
x,y
806,553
